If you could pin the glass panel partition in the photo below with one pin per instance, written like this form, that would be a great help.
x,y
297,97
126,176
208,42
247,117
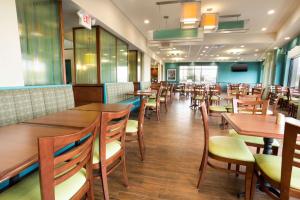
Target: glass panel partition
x,y
39,29
108,57
132,64
86,56
122,61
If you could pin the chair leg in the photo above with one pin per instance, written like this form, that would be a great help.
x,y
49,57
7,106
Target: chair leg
x,y
124,171
141,145
229,166
275,150
166,107
157,114
248,181
257,150
202,169
237,169
104,182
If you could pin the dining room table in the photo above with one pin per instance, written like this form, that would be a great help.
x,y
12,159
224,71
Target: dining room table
x,y
141,93
100,107
69,118
18,146
257,125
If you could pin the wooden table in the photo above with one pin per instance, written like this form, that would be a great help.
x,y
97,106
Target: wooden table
x,y
68,118
141,94
256,125
18,146
100,107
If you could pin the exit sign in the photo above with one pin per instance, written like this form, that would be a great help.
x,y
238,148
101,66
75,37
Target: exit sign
x,y
85,20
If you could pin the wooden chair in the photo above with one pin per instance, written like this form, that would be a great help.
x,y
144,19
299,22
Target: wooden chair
x,y
214,95
135,129
164,97
256,108
283,173
111,145
198,96
226,149
154,104
170,93
273,102
68,175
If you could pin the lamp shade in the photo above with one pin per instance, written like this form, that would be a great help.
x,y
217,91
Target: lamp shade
x,y
210,21
190,12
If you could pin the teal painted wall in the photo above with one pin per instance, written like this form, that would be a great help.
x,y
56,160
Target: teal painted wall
x,y
225,75
283,63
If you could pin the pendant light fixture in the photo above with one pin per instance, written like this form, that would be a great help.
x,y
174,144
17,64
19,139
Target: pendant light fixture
x,y
210,21
190,14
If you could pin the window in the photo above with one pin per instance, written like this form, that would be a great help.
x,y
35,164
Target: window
x,y
198,74
122,61
295,73
40,40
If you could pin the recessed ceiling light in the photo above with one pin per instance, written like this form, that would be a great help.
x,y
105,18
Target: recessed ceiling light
x,y
242,46
287,38
271,12
275,48
146,21
255,54
174,48
201,54
256,50
206,47
264,29
203,51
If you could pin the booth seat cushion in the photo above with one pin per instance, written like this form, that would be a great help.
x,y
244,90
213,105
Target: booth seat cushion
x,y
135,102
29,188
117,92
7,109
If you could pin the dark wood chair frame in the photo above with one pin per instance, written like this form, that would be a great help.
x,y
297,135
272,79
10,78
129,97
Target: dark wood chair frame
x,y
164,94
204,162
157,107
289,154
139,135
113,127
56,169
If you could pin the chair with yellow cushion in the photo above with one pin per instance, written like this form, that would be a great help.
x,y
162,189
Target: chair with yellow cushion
x,y
154,104
252,107
66,176
227,150
135,129
282,172
109,152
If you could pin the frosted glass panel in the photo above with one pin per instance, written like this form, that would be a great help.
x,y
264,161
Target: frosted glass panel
x,y
108,57
132,64
40,41
122,61
85,55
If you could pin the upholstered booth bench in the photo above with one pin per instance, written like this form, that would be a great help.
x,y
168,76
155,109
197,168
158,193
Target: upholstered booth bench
x,y
145,85
118,93
18,104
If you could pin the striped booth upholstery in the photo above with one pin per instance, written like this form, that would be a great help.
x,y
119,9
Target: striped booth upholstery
x,y
118,93
23,103
145,85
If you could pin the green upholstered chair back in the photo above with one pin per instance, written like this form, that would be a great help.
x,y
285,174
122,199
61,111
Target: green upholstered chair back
x,y
117,92
24,103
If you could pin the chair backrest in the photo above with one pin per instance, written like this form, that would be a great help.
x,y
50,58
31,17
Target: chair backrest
x,y
251,107
141,116
255,97
274,99
205,126
290,155
113,128
57,169
158,95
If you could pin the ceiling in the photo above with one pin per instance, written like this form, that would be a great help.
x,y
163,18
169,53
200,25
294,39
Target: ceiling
x,y
248,46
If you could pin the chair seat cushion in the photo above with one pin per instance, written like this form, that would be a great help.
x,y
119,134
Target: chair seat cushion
x,y
29,187
215,98
251,139
162,99
271,166
199,97
132,126
111,149
217,109
230,147
151,103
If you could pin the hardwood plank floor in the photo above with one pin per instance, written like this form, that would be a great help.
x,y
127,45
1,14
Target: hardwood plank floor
x,y
173,153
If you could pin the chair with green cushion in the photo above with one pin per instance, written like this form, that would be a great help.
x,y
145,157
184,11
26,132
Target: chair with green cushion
x,y
109,151
135,129
283,173
252,107
66,176
226,149
154,104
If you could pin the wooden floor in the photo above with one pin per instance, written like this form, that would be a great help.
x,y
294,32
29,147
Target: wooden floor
x,y
170,171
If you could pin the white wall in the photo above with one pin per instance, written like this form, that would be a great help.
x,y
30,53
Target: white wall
x,y
11,73
146,71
